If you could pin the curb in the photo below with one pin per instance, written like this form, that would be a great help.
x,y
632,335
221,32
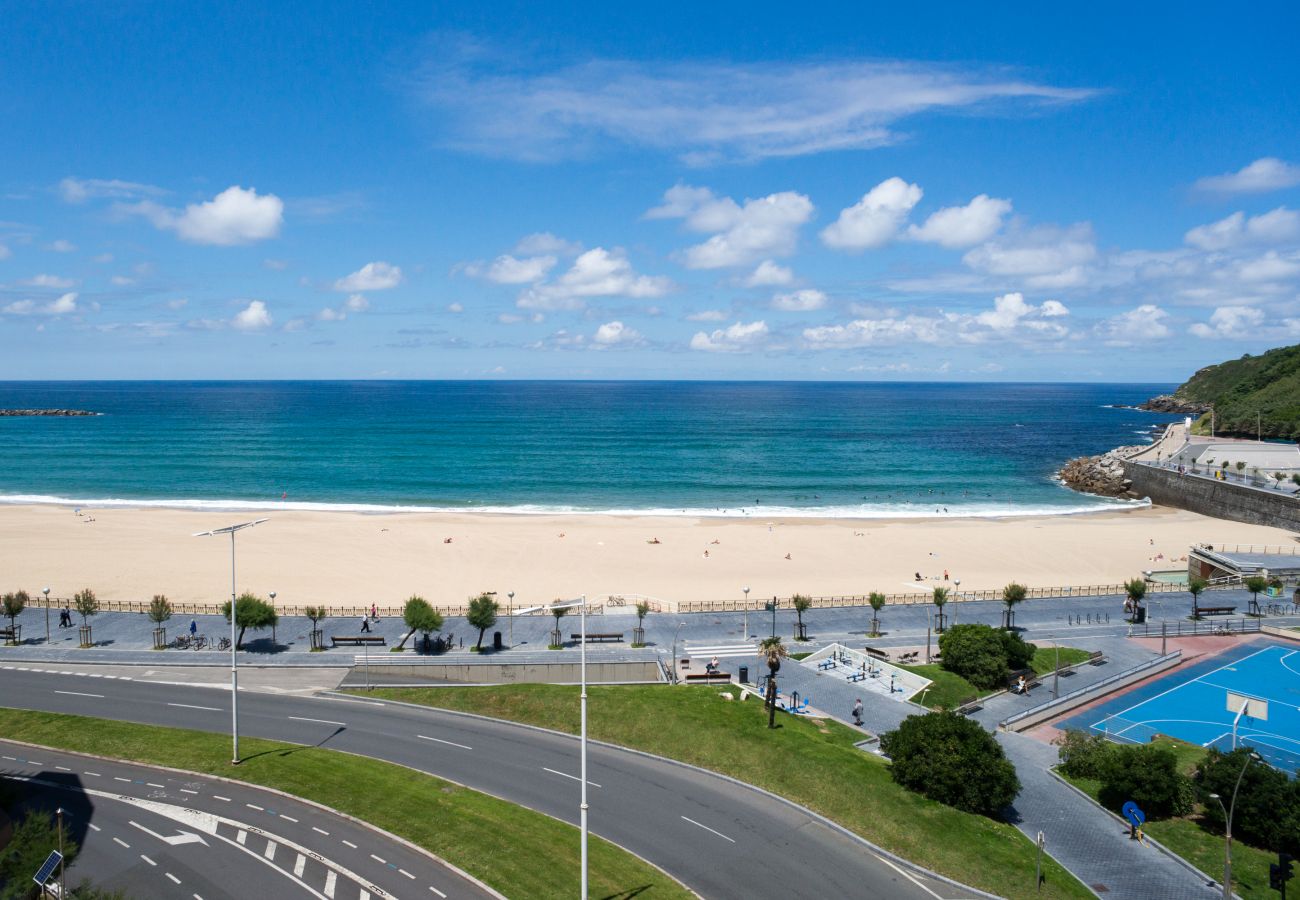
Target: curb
x,y
257,787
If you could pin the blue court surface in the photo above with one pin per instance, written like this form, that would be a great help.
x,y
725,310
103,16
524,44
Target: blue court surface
x,y
1192,704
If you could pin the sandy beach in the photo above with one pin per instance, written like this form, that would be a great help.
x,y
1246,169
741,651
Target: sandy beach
x,y
349,558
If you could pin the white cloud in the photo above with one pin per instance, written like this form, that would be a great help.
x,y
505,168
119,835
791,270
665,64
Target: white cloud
x,y
732,339
543,243
64,305
708,315
253,317
1261,176
455,308
48,281
1272,227
506,269
742,235
613,333
179,303
596,273
62,246
875,219
373,276
1269,267
1012,318
1230,322
121,281
235,216
769,274
80,190
357,303
804,300
500,104
1047,257
963,226
1145,323
330,315
866,332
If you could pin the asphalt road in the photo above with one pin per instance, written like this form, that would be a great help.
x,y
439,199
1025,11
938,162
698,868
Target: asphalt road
x,y
154,833
720,838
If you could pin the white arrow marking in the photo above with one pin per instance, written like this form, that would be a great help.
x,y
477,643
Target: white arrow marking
x,y
185,837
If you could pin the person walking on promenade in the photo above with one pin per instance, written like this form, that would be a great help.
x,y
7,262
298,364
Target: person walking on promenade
x,y
857,712
365,624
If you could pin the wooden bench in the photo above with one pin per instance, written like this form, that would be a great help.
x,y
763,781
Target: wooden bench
x,y
708,677
609,636
1096,658
7,634
356,640
878,654
1216,610
1031,681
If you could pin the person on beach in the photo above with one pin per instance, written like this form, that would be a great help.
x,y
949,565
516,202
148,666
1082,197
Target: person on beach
x,y
857,712
365,624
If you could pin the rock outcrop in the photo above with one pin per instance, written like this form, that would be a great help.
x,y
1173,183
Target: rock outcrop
x,y
47,412
1102,475
1168,403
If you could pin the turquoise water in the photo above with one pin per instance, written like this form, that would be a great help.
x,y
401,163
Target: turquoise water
x,y
756,449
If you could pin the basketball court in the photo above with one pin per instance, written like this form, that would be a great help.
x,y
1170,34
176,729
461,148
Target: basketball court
x,y
1249,696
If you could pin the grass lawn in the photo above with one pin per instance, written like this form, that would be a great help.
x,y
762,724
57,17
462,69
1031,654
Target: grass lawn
x,y
1044,660
806,760
1203,849
462,826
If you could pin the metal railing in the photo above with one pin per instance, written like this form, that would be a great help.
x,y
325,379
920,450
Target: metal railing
x,y
1074,697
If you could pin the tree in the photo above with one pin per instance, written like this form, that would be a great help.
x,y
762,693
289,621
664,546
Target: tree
x,y
1255,584
13,605
1011,595
982,654
160,609
482,614
1082,754
952,759
642,610
251,611
1196,586
316,614
1136,589
87,604
559,612
800,604
772,652
940,597
1148,775
420,616
1267,813
877,601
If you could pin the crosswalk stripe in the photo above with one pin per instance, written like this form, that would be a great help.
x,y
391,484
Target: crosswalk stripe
x,y
330,877
299,865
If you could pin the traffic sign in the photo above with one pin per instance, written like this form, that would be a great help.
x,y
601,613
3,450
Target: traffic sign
x,y
1131,812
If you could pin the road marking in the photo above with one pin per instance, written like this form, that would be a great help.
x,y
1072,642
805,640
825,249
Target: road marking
x,y
707,828
436,891
174,879
63,768
80,694
185,837
566,775
269,853
93,675
151,784
425,737
288,818
148,860
365,894
350,700
321,830
330,878
35,762
909,877
255,806
120,778
382,862
407,874
197,897
95,774
192,706
242,837
10,758
94,827
321,721
350,844
299,864
122,842
188,791
219,797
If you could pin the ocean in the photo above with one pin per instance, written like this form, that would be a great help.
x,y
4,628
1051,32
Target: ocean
x,y
759,449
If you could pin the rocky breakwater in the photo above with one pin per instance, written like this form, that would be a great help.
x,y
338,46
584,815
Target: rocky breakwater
x,y
1169,403
47,412
1102,475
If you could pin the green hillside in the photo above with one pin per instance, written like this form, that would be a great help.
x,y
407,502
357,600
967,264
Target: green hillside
x,y
1267,385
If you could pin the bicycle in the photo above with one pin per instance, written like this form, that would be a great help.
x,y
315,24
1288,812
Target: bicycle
x,y
182,642
200,642
223,644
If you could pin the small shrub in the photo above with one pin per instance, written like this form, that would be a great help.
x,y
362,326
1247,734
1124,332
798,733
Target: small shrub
x,y
1148,775
951,759
1083,755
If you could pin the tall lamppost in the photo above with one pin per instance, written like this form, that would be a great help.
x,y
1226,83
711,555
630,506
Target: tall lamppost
x,y
1227,833
581,603
271,594
746,635
46,592
510,615
234,614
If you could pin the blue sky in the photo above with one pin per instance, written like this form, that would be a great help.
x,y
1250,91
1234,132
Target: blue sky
x,y
657,191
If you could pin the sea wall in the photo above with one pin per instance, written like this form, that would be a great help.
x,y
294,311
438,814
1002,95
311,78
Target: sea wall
x,y
1220,499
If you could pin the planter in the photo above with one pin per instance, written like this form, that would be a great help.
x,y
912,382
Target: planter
x,y
638,636
17,637
557,639
160,638
86,640
800,631
317,638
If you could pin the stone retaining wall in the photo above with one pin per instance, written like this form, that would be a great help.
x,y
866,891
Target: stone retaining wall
x,y
1220,499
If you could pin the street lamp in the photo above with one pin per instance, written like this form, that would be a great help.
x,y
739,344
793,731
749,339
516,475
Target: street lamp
x,y
510,615
680,626
581,603
1227,832
234,665
270,594
46,592
746,635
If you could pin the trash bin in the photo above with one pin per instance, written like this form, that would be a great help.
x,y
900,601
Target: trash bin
x,y
496,640
1141,615
744,675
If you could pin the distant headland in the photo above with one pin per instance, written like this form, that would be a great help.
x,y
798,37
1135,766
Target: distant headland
x,y
47,412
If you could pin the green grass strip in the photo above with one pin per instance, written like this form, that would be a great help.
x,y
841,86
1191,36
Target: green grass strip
x,y
462,826
809,761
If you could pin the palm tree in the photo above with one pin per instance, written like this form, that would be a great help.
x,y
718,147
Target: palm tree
x,y
800,603
877,601
642,610
1011,595
940,599
557,638
1196,586
772,651
1136,589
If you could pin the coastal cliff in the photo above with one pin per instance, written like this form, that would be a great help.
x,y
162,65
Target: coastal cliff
x,y
1251,396
47,412
1101,475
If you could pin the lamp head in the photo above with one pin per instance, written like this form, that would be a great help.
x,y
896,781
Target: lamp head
x,y
45,591
1214,796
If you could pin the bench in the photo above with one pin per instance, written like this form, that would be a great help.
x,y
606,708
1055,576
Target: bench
x,y
1096,658
1216,610
609,636
7,634
970,706
356,640
708,677
878,654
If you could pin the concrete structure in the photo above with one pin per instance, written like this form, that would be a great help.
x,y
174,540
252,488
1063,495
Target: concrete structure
x,y
1211,497
1243,562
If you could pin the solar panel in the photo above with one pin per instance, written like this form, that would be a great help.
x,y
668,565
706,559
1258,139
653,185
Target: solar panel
x,y
47,868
